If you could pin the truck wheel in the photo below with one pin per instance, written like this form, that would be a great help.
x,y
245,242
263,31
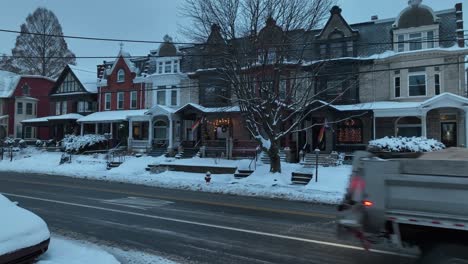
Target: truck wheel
x,y
445,254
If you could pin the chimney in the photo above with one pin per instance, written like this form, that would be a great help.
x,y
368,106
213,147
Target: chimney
x,y
374,17
460,31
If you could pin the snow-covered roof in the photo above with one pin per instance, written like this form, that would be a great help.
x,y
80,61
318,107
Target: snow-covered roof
x,y
8,83
87,78
161,110
376,106
126,57
111,116
225,109
71,116
36,120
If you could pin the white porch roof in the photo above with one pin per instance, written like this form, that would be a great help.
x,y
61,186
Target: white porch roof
x,y
45,119
161,110
394,109
111,116
35,120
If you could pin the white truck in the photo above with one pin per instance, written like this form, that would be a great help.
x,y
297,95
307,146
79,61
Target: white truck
x,y
419,202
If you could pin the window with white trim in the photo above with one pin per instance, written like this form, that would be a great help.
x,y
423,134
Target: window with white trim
x,y
417,84
107,101
397,86
120,100
174,95
64,108
161,96
415,41
167,67
401,43
29,108
176,66
57,108
19,108
437,84
133,99
411,41
28,132
160,67
408,127
121,75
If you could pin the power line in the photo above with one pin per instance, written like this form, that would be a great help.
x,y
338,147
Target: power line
x,y
205,44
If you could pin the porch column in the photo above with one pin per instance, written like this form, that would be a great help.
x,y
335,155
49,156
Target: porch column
x,y
81,129
171,140
150,132
130,129
373,127
112,130
466,126
96,128
424,124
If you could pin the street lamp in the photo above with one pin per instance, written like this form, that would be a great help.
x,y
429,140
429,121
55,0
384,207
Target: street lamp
x,y
317,152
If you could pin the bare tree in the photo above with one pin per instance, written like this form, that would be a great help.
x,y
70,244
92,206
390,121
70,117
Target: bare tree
x,y
269,67
6,64
39,48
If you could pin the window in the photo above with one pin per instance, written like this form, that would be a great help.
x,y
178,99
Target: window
x,y
401,43
176,66
323,50
133,99
120,100
350,132
19,108
173,96
64,108
437,83
430,39
282,89
160,130
408,127
81,107
29,108
417,85
415,41
121,75
26,90
397,87
160,67
334,88
69,85
167,67
336,49
107,101
28,132
57,108
161,96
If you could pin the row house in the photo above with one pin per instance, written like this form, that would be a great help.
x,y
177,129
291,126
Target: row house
x,y
23,97
72,96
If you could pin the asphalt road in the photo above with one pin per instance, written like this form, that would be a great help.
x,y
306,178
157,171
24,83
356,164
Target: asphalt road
x,y
187,226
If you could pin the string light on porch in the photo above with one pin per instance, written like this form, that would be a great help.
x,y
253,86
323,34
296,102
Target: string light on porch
x,y
221,122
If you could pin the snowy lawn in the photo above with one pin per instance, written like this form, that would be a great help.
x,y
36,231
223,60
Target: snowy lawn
x,y
329,189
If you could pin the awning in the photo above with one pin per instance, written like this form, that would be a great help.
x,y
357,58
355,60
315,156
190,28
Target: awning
x,y
35,120
51,118
111,116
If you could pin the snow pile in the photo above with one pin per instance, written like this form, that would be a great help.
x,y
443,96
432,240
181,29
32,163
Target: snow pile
x,y
62,250
406,144
19,227
76,143
9,141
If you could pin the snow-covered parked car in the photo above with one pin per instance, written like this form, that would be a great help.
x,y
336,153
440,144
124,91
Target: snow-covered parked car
x,y
23,235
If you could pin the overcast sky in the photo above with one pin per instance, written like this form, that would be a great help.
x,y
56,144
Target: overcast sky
x,y
149,20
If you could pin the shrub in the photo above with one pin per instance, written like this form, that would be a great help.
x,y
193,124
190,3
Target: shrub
x,y
73,143
405,144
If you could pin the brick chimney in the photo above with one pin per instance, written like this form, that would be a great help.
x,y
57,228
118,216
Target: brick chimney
x,y
460,31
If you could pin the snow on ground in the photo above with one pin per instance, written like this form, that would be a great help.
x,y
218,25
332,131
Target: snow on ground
x,y
19,227
62,250
329,189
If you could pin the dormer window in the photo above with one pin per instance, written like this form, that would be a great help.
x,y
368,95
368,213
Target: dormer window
x,y
415,40
167,67
121,75
26,90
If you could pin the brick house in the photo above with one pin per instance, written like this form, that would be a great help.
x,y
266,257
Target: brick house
x,y
23,97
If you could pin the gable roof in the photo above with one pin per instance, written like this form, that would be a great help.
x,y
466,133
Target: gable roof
x,y
126,58
87,78
8,83
336,12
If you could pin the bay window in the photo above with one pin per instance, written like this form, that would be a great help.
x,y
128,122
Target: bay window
x,y
29,108
167,67
161,95
19,108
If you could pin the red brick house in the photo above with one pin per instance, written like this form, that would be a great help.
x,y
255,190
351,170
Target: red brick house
x,y
24,97
121,93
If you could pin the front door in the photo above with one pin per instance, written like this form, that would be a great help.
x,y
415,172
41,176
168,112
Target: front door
x,y
448,132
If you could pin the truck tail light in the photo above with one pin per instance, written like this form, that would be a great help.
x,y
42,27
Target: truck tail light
x,y
367,203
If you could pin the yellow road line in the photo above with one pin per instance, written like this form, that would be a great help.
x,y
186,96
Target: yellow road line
x,y
163,197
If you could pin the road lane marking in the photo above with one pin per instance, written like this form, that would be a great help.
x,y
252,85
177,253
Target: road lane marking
x,y
248,231
164,197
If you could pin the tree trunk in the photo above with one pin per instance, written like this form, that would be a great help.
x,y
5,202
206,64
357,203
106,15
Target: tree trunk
x,y
275,162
